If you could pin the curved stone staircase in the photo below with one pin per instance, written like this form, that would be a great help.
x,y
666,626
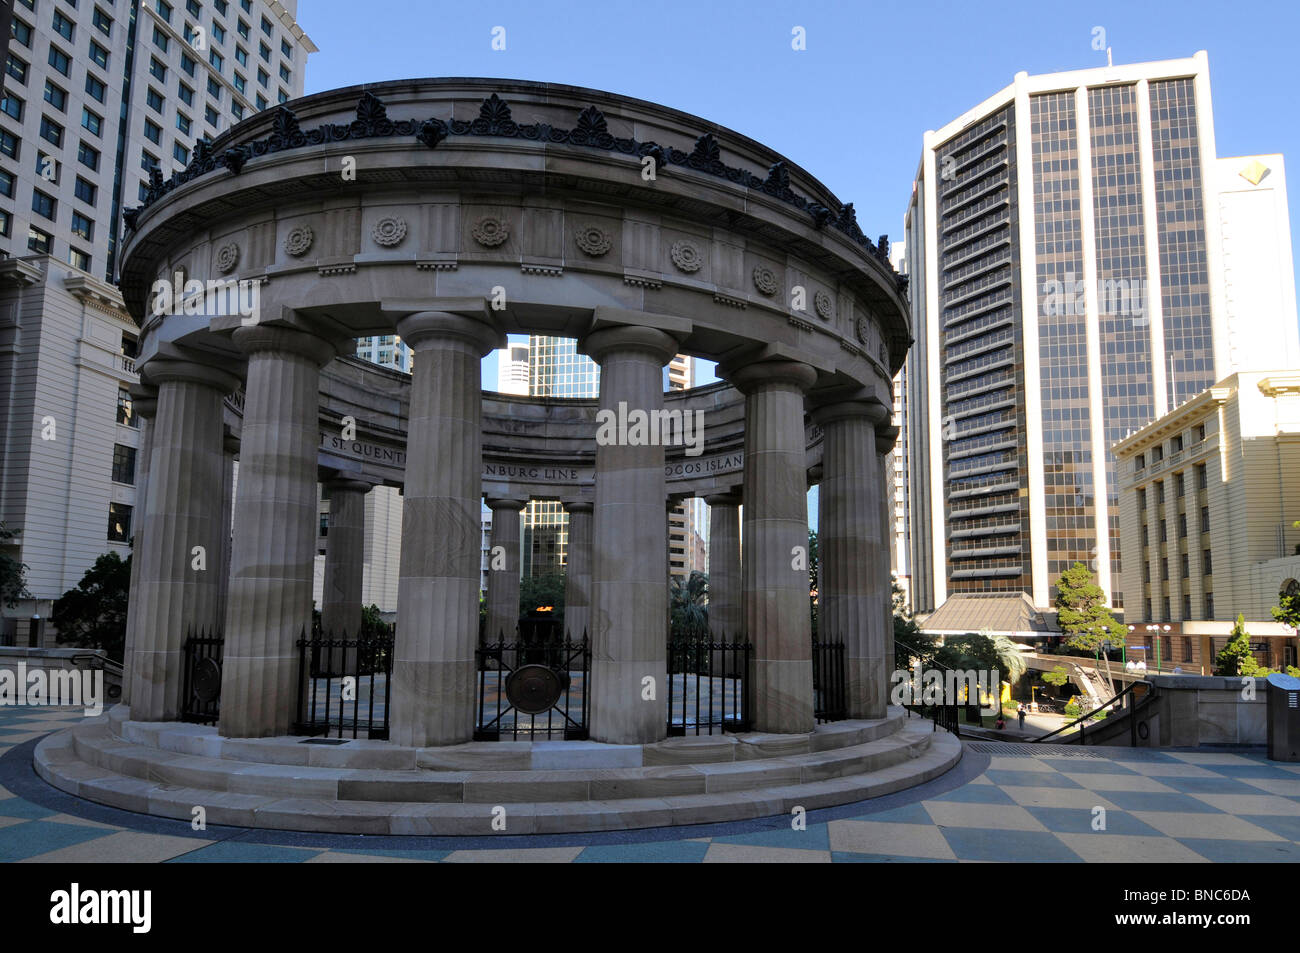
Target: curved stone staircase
x,y
374,787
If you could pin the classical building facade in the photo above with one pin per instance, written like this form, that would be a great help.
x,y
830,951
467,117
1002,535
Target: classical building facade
x,y
1081,262
1209,497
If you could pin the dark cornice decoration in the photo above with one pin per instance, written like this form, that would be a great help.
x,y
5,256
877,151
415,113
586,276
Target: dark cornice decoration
x,y
494,119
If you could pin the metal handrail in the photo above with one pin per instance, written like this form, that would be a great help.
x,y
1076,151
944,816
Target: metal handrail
x,y
1084,718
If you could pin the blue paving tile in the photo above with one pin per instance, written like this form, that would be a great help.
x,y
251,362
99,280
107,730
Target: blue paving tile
x,y
407,854
1246,771
233,852
665,852
17,807
972,843
1243,851
1209,786
20,841
1288,827
840,857
1075,820
814,838
977,794
1029,779
908,814
1156,801
1087,766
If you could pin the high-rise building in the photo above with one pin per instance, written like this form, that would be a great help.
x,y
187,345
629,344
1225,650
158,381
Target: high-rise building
x,y
97,94
1068,242
387,350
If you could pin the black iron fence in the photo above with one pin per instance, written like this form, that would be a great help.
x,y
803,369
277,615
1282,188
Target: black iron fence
x,y
533,687
344,685
201,685
830,685
706,684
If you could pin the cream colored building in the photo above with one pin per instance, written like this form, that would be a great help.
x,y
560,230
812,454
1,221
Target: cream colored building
x,y
1209,495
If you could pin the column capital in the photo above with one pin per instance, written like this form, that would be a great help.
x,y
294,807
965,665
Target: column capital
x,y
577,506
166,371
144,399
424,329
886,437
816,474
873,410
723,499
748,378
505,503
262,338
343,484
600,344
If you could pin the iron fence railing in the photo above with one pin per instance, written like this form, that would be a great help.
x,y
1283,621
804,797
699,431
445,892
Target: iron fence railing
x,y
830,687
201,656
345,685
512,672
707,681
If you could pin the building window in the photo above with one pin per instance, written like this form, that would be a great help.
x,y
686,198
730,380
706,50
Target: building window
x,y
237,110
214,89
1164,531
124,464
85,191
9,144
78,259
1209,605
7,184
266,26
1182,525
21,32
1187,566
181,154
1179,483
1146,572
1168,614
1164,569
154,99
51,131
1176,444
16,68
1207,563
62,25
160,39
103,22
1157,454
193,7
187,65
241,84
284,73
264,52
1146,535
48,168
1160,492
263,77
148,161
119,523
12,106
157,70
1187,647
261,102
1142,499
242,29
221,6
1202,481
39,241
247,5
212,117
241,56
283,96
1148,608
1205,519
98,55
217,60
56,97
44,205
88,156
95,87
91,122
1187,606
286,49
1200,432
152,131
83,227
164,10
186,94
218,33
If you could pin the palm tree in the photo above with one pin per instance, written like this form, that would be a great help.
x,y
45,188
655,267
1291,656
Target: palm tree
x,y
689,602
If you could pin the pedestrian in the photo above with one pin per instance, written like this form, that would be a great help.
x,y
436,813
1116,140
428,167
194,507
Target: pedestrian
x,y
1020,713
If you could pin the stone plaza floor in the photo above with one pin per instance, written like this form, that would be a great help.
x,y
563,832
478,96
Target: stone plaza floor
x,y
1002,802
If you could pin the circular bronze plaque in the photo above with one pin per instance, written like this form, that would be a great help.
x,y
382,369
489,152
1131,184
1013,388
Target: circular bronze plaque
x,y
533,689
207,680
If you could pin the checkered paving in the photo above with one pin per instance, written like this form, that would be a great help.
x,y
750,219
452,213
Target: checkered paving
x,y
1117,805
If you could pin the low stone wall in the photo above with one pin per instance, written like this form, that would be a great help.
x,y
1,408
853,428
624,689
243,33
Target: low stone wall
x,y
1194,710
61,660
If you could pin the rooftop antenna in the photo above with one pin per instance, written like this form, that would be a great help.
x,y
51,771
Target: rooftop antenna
x,y
1108,60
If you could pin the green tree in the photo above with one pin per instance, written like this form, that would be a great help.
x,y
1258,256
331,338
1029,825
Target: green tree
x,y
93,615
13,579
1235,658
538,591
1082,612
813,564
1287,610
910,643
1057,676
689,602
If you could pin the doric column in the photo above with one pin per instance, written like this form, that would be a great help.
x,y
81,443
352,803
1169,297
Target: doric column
x,y
503,570
345,552
178,585
227,523
725,618
275,525
577,571
852,551
886,437
438,589
776,609
144,404
629,614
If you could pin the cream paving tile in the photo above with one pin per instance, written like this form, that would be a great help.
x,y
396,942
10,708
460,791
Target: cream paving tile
x,y
122,847
1208,826
980,780
5,794
1286,787
525,855
999,763
1245,804
1056,797
882,837
1121,782
17,738
1169,769
699,840
751,854
71,819
1129,848
998,817
329,857
1210,757
10,821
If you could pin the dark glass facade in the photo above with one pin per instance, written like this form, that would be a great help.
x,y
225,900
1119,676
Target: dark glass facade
x,y
982,377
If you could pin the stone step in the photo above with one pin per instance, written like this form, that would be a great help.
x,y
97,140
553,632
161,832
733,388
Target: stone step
x,y
95,745
57,761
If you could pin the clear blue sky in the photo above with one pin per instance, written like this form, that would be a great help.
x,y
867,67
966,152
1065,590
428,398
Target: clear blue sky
x,y
852,107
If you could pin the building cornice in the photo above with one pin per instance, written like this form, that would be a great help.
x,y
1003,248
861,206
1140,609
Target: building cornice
x,y
1277,385
97,294
20,272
